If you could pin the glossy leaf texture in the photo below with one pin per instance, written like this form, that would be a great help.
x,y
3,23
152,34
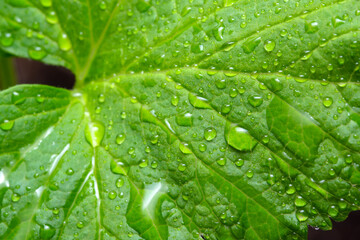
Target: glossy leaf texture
x,y
190,119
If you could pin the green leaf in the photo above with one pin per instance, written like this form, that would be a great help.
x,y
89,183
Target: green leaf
x,y
190,119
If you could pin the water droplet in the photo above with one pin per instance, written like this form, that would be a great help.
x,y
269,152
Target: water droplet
x,y
70,171
300,202
112,195
175,101
182,167
332,172
291,189
52,18
40,99
36,53
336,21
328,101
301,215
342,204
119,183
239,138
154,164
119,167
250,44
120,139
221,161
220,83
94,133
184,148
250,174
55,211
226,108
80,225
15,197
46,3
269,45
202,147
143,163
64,42
311,27
185,120
333,211
17,99
218,33
255,100
102,5
209,134
239,162
143,5
47,232
6,39
7,125
233,92
198,102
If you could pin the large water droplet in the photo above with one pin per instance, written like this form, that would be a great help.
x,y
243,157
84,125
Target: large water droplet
x,y
210,134
94,133
119,167
198,102
300,202
64,42
120,139
112,195
119,183
36,53
7,125
15,197
221,161
184,119
255,100
311,27
269,45
46,3
250,44
6,39
301,215
328,101
239,138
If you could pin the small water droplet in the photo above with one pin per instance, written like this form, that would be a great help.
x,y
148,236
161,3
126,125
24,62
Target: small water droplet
x,y
221,161
311,27
70,171
80,225
15,197
291,189
143,163
239,162
300,202
185,120
182,167
250,174
154,164
301,215
52,18
333,211
202,147
119,183
46,3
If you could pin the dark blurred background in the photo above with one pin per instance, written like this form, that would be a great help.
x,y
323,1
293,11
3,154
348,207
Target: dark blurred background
x,y
28,71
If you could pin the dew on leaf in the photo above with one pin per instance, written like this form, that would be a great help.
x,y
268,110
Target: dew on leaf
x,y
52,18
239,138
210,134
336,21
255,100
119,167
112,195
47,232
198,102
269,45
249,173
17,98
239,162
311,26
40,99
94,133
46,3
143,163
119,183
233,92
154,164
6,39
64,42
80,225
15,197
301,215
185,120
221,161
300,202
291,190
218,33
70,171
36,53
250,44
184,148
202,147
182,167
328,101
220,83
333,211
7,125
120,139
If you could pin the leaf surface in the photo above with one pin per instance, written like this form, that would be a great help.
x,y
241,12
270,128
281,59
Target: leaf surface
x,y
190,119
